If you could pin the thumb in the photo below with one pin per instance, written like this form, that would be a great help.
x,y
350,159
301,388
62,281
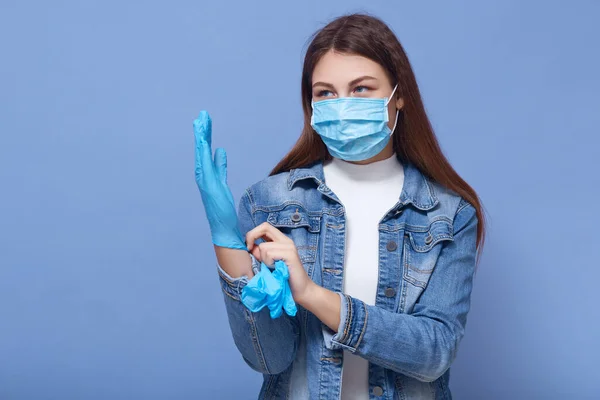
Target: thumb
x,y
221,164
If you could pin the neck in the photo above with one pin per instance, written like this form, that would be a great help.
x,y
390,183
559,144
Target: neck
x,y
374,171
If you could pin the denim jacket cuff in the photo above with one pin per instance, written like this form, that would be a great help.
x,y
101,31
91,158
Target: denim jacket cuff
x,y
353,322
233,286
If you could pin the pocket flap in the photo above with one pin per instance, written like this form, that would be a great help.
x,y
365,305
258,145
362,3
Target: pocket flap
x,y
294,216
423,241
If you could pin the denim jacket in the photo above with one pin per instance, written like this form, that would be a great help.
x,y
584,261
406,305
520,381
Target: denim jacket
x,y
427,253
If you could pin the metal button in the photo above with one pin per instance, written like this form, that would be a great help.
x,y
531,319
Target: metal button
x,y
428,239
378,391
390,292
391,246
296,217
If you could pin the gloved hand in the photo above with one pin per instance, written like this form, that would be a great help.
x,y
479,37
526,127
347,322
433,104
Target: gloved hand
x,y
270,289
265,288
211,177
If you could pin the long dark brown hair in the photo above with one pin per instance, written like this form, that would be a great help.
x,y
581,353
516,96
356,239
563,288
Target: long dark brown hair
x,y
413,139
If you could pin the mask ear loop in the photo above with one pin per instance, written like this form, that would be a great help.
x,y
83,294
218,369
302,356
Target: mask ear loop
x,y
395,122
397,110
391,95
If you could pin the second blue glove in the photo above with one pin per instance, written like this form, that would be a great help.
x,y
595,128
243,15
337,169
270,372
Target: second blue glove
x,y
270,289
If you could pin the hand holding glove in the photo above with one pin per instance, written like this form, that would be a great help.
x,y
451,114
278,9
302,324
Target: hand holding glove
x,y
270,289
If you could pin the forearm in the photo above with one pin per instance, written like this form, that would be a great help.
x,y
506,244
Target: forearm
x,y
419,346
324,304
268,345
235,262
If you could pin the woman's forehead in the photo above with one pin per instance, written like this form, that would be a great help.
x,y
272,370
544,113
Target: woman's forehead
x,y
341,68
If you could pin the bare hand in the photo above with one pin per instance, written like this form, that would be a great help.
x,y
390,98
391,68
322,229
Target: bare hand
x,y
278,246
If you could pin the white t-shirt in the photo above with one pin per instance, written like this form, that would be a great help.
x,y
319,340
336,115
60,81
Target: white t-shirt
x,y
367,193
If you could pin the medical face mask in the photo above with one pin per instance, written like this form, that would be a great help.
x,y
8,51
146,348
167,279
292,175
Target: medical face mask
x,y
353,128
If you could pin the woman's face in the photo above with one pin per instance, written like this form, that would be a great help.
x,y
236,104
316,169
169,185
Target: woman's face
x,y
349,75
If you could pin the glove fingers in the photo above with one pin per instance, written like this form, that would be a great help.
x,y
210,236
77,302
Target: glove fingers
x,y
202,134
203,127
270,289
221,164
289,305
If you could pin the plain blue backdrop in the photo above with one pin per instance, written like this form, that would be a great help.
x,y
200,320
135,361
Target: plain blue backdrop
x,y
108,286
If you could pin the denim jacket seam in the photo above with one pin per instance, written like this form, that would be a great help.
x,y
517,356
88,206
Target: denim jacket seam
x,y
364,327
438,218
389,365
461,208
269,386
228,281
454,230
231,286
281,206
462,202
230,295
466,204
431,191
252,203
256,341
345,335
228,287
350,315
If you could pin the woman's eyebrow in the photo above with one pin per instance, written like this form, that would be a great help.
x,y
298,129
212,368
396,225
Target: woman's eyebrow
x,y
359,79
329,85
352,83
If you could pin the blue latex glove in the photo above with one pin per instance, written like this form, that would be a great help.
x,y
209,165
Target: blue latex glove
x,y
265,288
285,301
270,289
211,177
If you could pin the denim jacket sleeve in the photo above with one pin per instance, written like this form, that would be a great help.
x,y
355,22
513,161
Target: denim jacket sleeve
x,y
267,345
424,343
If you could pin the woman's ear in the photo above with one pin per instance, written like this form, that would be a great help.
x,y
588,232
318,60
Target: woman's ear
x,y
400,103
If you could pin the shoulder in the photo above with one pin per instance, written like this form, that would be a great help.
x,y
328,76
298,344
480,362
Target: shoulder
x,y
271,183
296,186
453,206
268,189
276,192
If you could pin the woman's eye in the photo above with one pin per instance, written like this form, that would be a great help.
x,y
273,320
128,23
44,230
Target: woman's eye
x,y
361,89
324,93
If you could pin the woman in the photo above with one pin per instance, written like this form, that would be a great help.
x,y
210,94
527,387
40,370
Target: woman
x,y
379,233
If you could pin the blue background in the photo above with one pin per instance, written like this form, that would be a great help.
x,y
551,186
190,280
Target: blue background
x,y
108,287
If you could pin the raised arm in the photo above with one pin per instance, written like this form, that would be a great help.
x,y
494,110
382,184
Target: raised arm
x,y
267,345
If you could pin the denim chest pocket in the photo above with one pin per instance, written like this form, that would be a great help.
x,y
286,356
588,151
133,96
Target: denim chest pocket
x,y
422,247
297,224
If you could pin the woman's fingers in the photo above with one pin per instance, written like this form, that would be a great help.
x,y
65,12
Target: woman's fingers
x,y
266,231
256,252
269,252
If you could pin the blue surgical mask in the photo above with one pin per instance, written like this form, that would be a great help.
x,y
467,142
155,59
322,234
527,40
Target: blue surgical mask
x,y
353,128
